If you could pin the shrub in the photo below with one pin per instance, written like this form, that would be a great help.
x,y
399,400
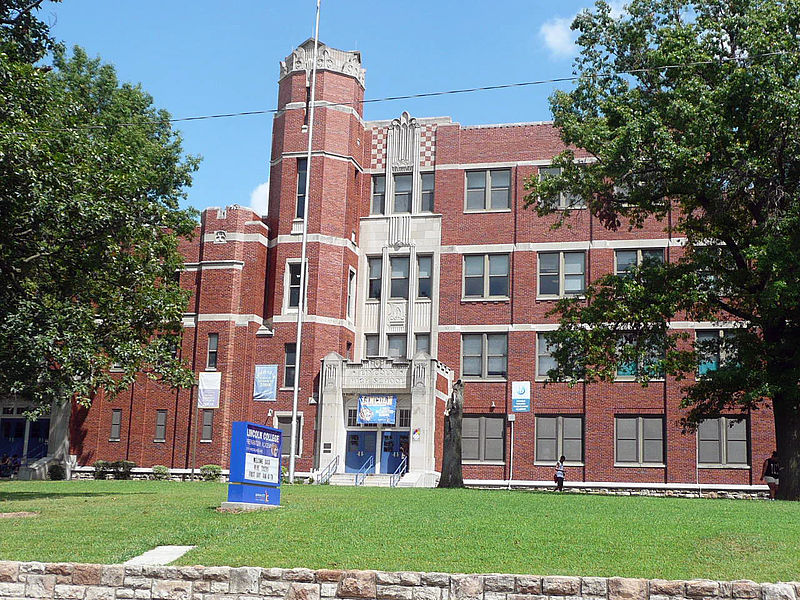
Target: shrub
x,y
121,469
160,472
56,472
210,472
284,474
101,469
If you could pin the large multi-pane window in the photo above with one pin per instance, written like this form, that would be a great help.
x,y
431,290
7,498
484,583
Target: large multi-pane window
x,y
722,442
564,200
562,274
645,364
489,190
426,197
399,273
378,195
402,193
424,276
483,438
371,344
208,425
116,424
486,276
709,347
284,423
639,440
161,426
302,169
625,260
213,348
289,357
293,298
422,342
375,265
559,435
544,359
484,355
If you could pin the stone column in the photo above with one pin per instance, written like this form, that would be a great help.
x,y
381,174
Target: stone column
x,y
421,456
331,412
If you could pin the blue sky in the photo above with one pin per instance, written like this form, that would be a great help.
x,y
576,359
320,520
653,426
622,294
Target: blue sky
x,y
201,57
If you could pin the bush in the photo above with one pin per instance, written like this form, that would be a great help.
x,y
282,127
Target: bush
x,y
284,474
56,472
121,469
160,472
210,472
101,469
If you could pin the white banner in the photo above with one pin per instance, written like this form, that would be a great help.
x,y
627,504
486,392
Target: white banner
x,y
208,392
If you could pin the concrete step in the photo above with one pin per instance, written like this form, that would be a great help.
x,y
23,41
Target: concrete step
x,y
370,480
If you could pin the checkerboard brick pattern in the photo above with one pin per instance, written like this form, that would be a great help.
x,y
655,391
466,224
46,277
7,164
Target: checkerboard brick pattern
x,y
378,154
427,146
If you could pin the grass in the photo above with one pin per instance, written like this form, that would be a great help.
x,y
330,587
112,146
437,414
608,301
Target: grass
x,y
408,529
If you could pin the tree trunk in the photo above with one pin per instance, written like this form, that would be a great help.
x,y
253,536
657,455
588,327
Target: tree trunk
x,y
787,440
451,451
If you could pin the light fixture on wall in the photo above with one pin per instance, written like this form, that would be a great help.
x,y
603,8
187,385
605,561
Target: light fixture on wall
x,y
269,412
493,405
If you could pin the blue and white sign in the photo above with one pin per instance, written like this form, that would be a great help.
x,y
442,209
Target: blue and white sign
x,y
520,396
208,389
265,383
255,464
377,408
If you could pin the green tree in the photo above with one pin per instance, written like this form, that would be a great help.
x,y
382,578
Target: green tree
x,y
91,176
690,111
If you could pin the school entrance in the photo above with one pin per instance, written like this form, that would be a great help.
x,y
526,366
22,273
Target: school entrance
x,y
365,452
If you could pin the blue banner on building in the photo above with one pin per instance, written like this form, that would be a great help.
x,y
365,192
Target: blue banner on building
x,y
377,408
521,396
265,383
255,464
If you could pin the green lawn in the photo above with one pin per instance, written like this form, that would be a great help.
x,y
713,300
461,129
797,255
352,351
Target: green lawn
x,y
408,529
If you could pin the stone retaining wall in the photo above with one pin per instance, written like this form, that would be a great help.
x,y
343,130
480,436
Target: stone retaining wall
x,y
68,581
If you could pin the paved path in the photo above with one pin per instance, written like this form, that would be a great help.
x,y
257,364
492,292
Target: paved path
x,y
160,555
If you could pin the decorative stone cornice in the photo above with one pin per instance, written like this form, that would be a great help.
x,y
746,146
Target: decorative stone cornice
x,y
329,59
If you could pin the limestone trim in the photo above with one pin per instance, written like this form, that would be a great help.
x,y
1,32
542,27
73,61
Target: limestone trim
x,y
554,246
345,108
292,318
509,327
191,320
29,580
235,236
539,162
328,59
214,264
316,238
325,154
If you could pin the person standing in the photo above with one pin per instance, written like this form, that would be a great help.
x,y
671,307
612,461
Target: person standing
x,y
559,476
770,474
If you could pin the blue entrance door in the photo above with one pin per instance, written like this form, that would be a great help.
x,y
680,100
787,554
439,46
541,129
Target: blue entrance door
x,y
394,446
360,446
12,436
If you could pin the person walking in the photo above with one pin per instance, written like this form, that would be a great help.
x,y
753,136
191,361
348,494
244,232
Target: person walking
x,y
770,474
559,476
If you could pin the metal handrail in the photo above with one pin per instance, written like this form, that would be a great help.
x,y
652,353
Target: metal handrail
x,y
326,473
398,472
361,475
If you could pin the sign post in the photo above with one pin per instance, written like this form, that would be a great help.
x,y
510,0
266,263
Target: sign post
x,y
255,477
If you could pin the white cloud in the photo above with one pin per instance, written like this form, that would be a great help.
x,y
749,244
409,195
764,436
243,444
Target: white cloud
x,y
617,8
558,37
259,198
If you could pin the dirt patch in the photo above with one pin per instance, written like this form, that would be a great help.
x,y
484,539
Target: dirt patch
x,y
16,515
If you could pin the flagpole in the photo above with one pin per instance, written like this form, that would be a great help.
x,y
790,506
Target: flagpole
x,y
301,305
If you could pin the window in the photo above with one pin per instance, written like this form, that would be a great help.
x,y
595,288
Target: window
x,y
302,169
562,273
639,440
708,346
378,195
351,294
484,355
288,370
375,267
399,282
402,194
213,345
284,423
116,424
564,200
371,344
161,426
404,417
722,442
483,438
544,360
646,364
557,436
397,345
423,342
489,190
625,260
486,276
294,285
208,425
424,276
426,204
